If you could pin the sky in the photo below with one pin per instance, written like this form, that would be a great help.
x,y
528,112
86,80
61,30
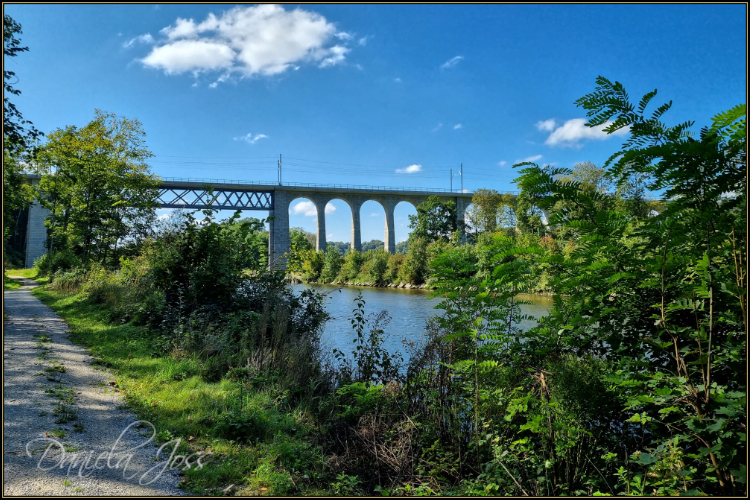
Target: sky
x,y
386,95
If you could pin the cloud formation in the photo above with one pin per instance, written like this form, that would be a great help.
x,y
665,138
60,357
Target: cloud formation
x,y
147,38
250,139
546,125
573,131
256,40
307,208
411,169
451,62
530,158
457,126
502,163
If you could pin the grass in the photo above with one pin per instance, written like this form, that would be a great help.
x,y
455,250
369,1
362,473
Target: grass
x,y
10,283
170,393
27,273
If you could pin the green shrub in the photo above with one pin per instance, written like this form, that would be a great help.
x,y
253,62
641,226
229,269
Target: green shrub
x,y
395,262
331,265
353,261
58,261
378,266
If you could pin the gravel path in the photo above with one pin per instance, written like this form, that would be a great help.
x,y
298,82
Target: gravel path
x,y
47,380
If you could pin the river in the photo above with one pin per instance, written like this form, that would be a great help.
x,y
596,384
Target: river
x,y
409,311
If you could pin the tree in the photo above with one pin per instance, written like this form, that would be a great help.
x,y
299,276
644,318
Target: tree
x,y
490,211
17,195
98,182
591,177
663,299
15,137
300,247
435,219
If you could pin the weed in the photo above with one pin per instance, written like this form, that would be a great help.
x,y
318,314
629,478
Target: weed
x,y
66,482
56,367
59,433
65,413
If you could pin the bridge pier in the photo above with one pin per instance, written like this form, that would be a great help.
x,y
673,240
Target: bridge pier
x,y
320,242
278,236
36,233
356,206
390,228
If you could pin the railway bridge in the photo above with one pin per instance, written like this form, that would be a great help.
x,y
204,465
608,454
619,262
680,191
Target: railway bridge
x,y
274,198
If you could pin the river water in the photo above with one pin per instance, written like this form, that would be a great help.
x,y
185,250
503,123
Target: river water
x,y
409,311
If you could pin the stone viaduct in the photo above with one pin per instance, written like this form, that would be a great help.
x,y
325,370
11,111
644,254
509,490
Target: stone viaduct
x,y
276,199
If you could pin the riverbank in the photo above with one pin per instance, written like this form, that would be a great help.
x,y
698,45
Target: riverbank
x,y
295,279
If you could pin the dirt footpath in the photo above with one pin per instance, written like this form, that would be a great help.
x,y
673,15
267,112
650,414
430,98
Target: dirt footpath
x,y
65,414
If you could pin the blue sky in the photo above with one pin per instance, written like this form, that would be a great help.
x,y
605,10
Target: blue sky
x,y
392,95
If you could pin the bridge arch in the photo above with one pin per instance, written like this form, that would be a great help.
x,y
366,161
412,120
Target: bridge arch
x,y
373,214
331,208
402,211
303,213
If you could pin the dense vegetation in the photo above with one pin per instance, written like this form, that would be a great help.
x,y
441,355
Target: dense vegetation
x,y
634,384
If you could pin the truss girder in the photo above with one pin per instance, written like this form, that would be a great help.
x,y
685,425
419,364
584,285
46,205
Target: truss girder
x,y
230,199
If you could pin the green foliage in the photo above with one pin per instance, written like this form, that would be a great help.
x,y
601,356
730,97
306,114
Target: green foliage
x,y
434,219
490,211
16,138
332,264
313,265
661,297
353,261
395,263
96,185
416,265
370,362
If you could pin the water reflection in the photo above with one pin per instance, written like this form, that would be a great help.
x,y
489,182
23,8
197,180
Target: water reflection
x,y
409,311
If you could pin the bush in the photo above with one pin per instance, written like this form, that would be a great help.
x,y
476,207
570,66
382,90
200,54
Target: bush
x,y
331,265
415,267
353,261
58,261
68,281
395,262
378,266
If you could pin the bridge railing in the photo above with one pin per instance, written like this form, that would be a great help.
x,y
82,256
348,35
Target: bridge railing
x,y
312,185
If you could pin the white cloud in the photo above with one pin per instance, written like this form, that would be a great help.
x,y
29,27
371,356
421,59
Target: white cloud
x,y
438,127
329,236
575,130
330,209
457,126
397,80
249,137
411,169
502,163
546,125
375,214
451,62
306,208
363,41
530,158
190,55
147,38
256,40
337,54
